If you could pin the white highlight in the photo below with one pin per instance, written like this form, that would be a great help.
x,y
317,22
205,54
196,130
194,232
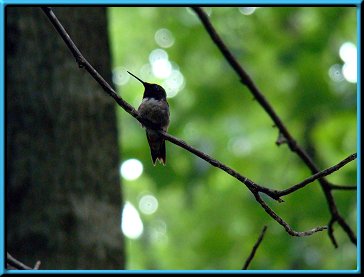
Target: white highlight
x,y
335,73
162,69
131,224
164,38
120,76
148,204
247,10
348,53
131,169
174,84
161,66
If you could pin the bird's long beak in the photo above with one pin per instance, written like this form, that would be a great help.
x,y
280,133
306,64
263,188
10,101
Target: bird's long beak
x,y
140,80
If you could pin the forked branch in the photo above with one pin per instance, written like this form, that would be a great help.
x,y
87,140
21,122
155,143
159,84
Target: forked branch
x,y
13,263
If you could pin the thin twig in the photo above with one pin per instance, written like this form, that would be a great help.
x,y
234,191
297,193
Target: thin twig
x,y
285,225
37,265
15,263
337,187
331,232
320,175
255,247
253,187
292,144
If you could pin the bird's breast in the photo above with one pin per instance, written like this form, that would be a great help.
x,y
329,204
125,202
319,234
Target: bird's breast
x,y
157,111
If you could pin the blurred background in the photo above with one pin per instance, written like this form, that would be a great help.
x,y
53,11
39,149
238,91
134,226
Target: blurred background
x,y
188,214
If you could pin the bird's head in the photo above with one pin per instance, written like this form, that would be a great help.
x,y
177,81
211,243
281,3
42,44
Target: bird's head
x,y
151,90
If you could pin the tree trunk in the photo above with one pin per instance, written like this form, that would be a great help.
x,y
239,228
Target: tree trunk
x,y
63,200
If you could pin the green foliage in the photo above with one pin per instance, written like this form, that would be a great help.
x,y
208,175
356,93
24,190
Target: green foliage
x,y
205,218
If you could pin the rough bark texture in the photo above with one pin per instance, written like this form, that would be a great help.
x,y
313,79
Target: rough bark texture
x,y
63,200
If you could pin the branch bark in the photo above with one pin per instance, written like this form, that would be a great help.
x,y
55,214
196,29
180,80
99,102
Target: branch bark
x,y
14,263
319,175
255,247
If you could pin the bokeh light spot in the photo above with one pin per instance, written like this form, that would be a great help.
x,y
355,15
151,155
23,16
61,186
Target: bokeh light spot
x,y
335,73
348,53
162,69
131,224
148,204
161,66
247,10
239,146
157,54
164,38
131,169
350,72
120,76
174,84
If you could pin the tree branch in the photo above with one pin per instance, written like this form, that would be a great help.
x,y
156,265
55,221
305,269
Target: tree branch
x,y
285,225
253,187
274,194
14,263
320,175
83,63
284,135
331,233
337,187
255,247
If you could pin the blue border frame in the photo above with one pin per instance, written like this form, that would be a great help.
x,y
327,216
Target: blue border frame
x,y
2,143
358,110
357,3
188,2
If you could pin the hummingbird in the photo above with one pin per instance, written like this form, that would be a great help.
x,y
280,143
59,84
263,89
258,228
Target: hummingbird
x,y
155,108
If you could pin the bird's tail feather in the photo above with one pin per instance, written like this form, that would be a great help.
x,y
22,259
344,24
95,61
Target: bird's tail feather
x,y
160,154
157,148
